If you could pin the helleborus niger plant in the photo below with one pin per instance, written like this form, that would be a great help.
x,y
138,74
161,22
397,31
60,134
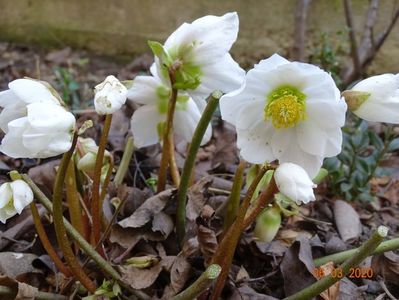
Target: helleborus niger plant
x,y
288,117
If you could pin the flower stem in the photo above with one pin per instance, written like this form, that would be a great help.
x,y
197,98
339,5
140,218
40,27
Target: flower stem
x,y
46,242
96,208
190,161
340,257
124,164
201,284
90,251
167,136
174,170
235,195
75,210
225,252
60,230
7,291
361,254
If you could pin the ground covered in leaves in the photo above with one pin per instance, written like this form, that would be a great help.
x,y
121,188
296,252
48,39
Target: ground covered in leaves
x,y
145,224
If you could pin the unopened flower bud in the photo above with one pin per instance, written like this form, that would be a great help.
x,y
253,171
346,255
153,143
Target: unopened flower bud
x,y
110,95
268,224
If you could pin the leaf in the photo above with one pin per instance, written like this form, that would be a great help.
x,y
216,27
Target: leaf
x,y
179,273
297,266
14,264
207,242
386,265
162,223
332,292
347,221
119,129
393,145
140,278
147,210
247,293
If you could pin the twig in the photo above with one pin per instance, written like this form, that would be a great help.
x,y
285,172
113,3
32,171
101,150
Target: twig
x,y
101,262
339,257
190,161
7,291
301,10
361,254
354,50
124,165
201,284
59,226
96,208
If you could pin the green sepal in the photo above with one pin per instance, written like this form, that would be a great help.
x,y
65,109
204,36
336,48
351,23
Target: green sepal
x,y
267,224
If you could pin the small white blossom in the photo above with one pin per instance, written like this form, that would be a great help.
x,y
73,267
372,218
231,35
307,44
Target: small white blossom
x,y
110,95
294,183
378,100
88,151
203,49
35,123
14,196
288,111
148,120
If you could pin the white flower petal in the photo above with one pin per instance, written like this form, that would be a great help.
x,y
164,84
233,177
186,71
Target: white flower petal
x,y
50,117
225,75
255,143
8,98
250,114
294,182
31,91
186,120
327,114
10,113
110,95
12,144
5,194
22,194
144,125
211,36
144,90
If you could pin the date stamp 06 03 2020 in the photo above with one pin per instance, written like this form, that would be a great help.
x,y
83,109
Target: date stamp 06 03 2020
x,y
338,273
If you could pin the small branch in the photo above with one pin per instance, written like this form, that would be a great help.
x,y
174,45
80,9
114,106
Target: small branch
x,y
167,136
7,291
124,165
90,251
361,254
352,37
301,11
59,226
96,208
201,284
190,161
235,196
339,257
46,242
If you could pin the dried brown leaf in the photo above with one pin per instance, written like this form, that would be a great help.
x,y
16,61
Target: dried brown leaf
x,y
207,242
332,292
140,278
26,292
247,293
196,200
147,210
179,273
44,175
162,223
347,221
386,265
119,129
226,150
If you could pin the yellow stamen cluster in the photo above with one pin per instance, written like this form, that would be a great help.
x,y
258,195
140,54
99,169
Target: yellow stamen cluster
x,y
286,107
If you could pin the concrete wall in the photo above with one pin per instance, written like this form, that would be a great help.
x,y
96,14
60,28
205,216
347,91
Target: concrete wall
x,y
122,27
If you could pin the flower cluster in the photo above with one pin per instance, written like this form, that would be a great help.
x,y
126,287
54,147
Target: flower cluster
x,y
34,121
199,54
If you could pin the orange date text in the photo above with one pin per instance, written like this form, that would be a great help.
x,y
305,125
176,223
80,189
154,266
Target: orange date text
x,y
339,273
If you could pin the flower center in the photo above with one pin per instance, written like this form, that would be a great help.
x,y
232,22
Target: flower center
x,y
285,106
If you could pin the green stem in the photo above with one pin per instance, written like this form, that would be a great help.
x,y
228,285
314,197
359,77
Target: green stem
x,y
235,196
339,257
167,136
96,209
7,291
124,165
60,230
90,251
199,132
201,284
361,254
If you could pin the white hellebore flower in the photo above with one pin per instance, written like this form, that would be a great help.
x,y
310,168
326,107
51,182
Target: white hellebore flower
x,y
288,111
14,196
202,48
294,183
110,95
148,121
376,99
35,123
88,151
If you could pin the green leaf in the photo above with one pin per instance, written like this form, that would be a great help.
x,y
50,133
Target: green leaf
x,y
157,49
375,140
393,145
